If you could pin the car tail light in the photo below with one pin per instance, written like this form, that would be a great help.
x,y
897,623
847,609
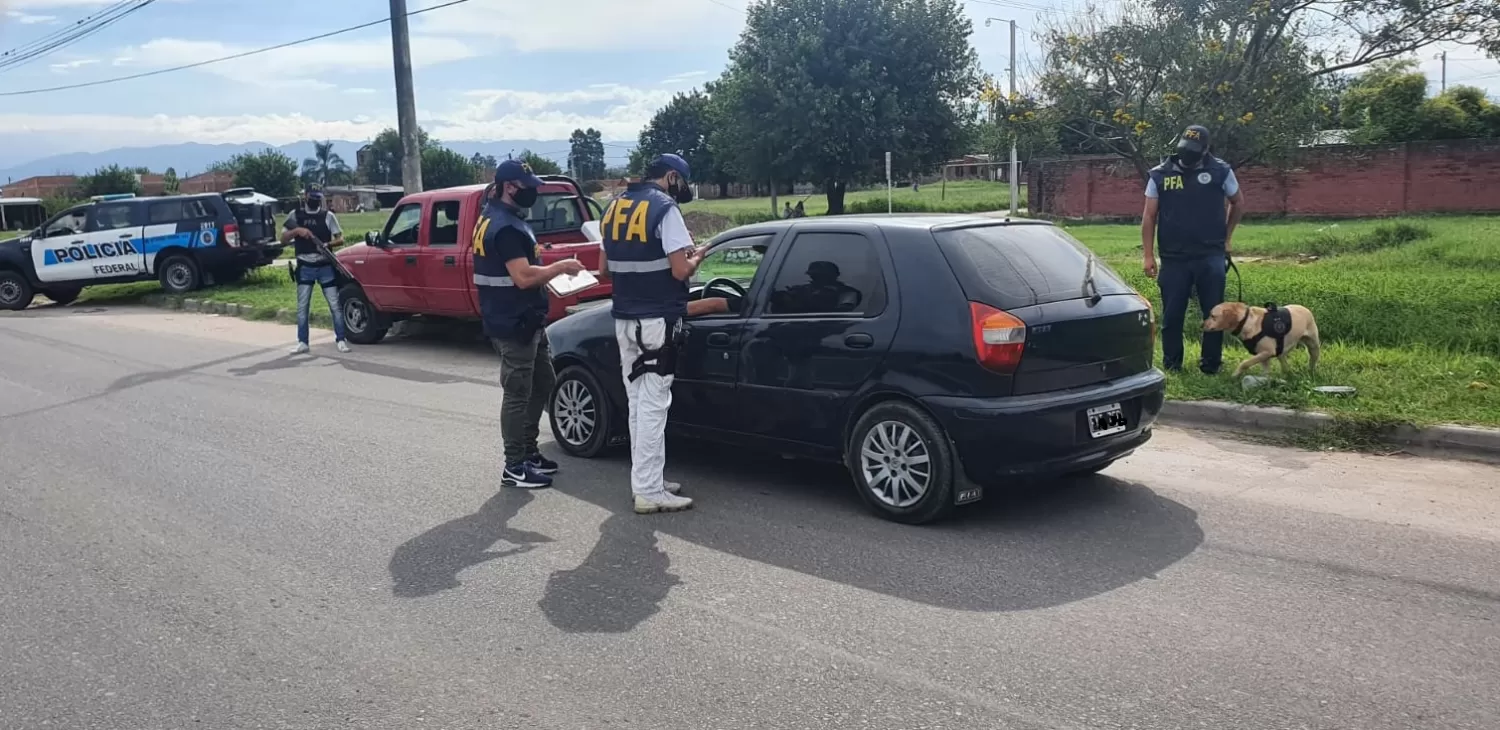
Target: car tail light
x,y
232,235
999,337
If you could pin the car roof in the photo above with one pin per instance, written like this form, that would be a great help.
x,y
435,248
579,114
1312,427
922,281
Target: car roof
x,y
934,222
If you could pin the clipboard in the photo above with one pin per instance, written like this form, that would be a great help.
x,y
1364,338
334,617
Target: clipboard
x,y
568,285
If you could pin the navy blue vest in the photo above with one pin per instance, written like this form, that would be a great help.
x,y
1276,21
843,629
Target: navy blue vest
x,y
508,311
644,287
317,224
1190,219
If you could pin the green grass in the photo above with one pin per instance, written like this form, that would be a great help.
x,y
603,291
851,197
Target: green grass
x,y
1406,308
962,197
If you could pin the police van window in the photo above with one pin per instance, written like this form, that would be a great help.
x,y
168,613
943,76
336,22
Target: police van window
x,y
402,230
69,224
177,211
554,212
829,274
108,217
444,231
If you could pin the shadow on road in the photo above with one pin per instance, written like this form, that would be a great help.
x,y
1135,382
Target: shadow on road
x,y
1044,546
430,562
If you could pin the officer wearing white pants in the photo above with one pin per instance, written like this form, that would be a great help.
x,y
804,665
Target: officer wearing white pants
x,y
649,256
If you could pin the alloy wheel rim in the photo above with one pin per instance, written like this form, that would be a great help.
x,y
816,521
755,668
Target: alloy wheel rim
x,y
896,464
354,316
576,414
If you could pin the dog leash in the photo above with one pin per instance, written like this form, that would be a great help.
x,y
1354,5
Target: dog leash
x,y
1239,280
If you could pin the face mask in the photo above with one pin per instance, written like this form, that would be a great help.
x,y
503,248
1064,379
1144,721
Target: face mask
x,y
1189,158
681,192
314,204
524,197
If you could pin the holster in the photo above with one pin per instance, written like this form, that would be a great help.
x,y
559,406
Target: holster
x,y
663,360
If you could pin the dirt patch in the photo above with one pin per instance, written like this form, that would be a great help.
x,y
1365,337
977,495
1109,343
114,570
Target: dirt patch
x,y
706,225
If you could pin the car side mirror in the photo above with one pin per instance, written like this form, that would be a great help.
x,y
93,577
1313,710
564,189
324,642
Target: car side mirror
x,y
372,239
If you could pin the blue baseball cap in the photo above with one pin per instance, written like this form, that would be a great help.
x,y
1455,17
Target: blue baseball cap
x,y
516,171
672,162
314,192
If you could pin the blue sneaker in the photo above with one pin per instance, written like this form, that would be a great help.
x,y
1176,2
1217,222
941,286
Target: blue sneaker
x,y
522,476
541,464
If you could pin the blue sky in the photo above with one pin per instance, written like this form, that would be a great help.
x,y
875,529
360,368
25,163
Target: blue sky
x,y
485,70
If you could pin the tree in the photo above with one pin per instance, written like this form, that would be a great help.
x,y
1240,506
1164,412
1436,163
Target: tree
x,y
540,165
1389,104
1258,73
444,168
170,184
109,181
269,171
682,127
822,89
484,165
586,154
325,167
382,166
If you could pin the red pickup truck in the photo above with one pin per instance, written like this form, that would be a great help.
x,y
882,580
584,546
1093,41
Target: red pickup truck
x,y
422,262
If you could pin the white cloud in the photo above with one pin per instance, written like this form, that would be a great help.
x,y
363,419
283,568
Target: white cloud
x,y
303,66
359,90
29,19
683,77
67,66
618,111
105,131
655,26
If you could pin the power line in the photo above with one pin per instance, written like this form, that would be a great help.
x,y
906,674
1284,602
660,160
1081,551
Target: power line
x,y
24,47
67,37
231,57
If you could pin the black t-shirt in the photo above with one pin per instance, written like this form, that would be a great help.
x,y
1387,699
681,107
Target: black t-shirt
x,y
508,243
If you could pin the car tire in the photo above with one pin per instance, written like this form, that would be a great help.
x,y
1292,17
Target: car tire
x,y
363,323
920,490
63,296
15,292
180,274
579,413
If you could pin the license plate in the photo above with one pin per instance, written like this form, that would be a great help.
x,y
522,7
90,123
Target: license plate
x,y
1106,420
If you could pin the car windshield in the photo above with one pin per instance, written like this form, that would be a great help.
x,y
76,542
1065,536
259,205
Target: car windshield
x,y
555,212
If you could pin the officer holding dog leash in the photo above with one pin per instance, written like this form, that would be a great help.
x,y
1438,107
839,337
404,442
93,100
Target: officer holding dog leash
x,y
1193,204
311,229
649,255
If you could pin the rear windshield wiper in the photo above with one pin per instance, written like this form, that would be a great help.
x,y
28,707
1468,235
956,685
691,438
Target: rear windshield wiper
x,y
1090,289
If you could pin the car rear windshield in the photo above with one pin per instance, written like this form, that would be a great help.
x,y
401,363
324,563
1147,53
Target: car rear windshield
x,y
555,212
1015,266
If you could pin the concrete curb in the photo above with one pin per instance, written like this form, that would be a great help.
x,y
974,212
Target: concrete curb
x,y
1447,441
1444,440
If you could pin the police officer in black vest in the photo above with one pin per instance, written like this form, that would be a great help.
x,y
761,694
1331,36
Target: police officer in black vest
x,y
509,276
311,229
1193,204
649,256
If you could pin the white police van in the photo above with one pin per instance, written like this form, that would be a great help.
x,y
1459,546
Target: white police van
x,y
185,241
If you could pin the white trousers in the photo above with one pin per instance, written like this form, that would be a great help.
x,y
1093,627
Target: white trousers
x,y
650,398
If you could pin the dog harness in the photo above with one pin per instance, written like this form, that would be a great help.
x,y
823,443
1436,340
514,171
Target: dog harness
x,y
1275,325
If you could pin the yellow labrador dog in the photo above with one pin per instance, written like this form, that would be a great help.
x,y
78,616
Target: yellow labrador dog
x,y
1257,328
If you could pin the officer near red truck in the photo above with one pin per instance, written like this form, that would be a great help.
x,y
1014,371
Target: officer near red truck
x,y
511,283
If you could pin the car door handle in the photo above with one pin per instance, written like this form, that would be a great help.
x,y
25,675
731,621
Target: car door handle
x,y
124,236
859,341
79,242
411,259
450,261
718,339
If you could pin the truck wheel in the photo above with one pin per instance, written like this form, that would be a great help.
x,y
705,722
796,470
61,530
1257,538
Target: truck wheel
x,y
363,323
15,291
180,275
64,295
902,463
579,413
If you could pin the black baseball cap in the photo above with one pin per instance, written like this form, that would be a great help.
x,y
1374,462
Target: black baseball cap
x,y
1194,139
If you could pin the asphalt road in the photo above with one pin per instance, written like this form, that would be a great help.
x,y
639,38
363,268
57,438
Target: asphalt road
x,y
197,531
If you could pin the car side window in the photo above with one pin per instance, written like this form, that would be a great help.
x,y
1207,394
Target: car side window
x,y
739,260
177,211
444,230
108,217
835,274
70,223
402,230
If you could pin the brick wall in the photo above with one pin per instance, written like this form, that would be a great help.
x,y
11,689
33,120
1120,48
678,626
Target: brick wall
x,y
1333,182
42,186
208,182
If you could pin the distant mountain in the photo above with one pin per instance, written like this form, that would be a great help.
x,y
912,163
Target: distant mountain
x,y
192,158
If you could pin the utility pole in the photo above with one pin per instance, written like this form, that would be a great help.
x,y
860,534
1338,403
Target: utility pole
x,y
1015,164
406,102
1444,85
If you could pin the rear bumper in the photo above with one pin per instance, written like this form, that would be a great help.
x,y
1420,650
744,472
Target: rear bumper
x,y
1046,434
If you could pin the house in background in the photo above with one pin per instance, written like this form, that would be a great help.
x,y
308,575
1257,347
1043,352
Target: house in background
x,y
41,186
208,182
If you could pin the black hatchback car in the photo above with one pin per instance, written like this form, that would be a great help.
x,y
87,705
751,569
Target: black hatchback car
x,y
935,356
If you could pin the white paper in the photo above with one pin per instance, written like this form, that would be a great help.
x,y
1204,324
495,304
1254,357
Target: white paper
x,y
568,285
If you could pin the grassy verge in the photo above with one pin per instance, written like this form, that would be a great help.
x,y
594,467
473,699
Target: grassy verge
x,y
968,196
1405,307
